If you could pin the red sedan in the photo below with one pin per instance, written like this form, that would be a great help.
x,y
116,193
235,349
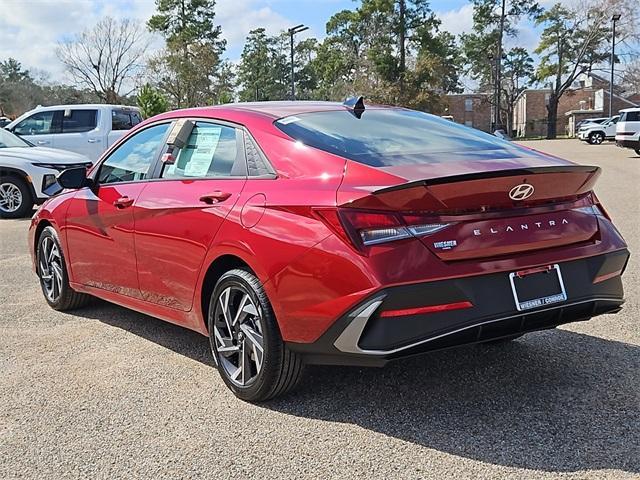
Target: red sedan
x,y
308,232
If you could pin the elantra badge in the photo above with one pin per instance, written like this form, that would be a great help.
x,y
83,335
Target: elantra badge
x,y
521,192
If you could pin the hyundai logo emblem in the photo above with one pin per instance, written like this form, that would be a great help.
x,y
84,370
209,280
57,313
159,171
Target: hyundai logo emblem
x,y
521,192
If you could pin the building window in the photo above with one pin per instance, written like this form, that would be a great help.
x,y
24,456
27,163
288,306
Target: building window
x,y
468,104
469,123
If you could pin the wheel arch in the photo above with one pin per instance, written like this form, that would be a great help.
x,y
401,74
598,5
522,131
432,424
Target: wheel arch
x,y
221,264
42,224
16,172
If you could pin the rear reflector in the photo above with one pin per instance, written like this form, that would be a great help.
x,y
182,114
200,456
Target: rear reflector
x,y
607,276
426,309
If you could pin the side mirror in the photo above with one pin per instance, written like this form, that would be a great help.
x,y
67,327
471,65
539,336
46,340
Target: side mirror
x,y
73,178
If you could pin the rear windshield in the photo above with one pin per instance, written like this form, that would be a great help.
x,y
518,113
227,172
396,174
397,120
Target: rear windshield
x,y
389,137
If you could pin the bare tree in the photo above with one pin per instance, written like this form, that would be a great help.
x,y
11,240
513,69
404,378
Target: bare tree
x,y
107,57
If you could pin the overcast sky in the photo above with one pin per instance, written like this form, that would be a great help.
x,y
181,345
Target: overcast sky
x,y
30,29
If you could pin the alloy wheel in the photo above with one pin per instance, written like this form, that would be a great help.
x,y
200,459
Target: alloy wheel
x,y
50,268
597,138
10,197
237,330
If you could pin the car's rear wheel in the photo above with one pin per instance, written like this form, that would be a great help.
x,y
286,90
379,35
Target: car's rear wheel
x,y
596,138
15,197
252,359
637,151
52,271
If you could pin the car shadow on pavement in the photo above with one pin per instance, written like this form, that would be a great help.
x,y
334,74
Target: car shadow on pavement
x,y
178,339
554,401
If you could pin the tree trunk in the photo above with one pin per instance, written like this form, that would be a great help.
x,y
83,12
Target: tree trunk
x,y
401,47
552,117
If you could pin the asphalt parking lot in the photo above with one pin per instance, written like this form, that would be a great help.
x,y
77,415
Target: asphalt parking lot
x,y
104,392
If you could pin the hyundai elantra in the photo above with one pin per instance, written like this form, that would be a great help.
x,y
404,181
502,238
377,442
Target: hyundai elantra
x,y
294,233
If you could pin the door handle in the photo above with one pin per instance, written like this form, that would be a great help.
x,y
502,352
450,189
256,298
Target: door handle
x,y
94,140
123,202
215,197
43,142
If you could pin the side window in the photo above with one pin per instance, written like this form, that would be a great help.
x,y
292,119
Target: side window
x,y
75,121
468,104
131,161
135,118
41,123
124,119
211,151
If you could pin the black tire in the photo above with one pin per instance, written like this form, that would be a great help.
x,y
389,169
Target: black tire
x,y
25,206
280,369
66,298
502,341
637,151
596,138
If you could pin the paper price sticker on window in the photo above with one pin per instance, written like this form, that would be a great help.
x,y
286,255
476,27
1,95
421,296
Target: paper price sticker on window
x,y
205,142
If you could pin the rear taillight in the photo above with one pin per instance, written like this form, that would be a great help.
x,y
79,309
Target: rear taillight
x,y
419,225
365,228
598,205
372,228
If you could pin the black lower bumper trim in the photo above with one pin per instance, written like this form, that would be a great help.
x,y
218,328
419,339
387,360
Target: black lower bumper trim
x,y
492,317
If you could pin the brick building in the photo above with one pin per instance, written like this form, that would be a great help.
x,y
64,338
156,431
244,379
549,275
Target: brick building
x,y
588,97
471,109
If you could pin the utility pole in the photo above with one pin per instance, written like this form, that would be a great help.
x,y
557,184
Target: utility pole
x,y
292,31
614,19
498,89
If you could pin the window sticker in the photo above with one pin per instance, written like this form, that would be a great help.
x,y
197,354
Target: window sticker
x,y
205,142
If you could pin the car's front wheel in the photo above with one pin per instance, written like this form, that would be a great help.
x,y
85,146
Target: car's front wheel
x,y
52,271
596,138
245,340
15,197
637,151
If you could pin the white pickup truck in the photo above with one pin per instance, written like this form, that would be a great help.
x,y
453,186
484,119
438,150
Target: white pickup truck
x,y
85,129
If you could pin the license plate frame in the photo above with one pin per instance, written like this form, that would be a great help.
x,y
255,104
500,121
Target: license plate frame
x,y
516,278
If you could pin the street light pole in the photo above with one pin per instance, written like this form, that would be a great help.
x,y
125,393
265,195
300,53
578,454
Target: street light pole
x,y
614,19
292,31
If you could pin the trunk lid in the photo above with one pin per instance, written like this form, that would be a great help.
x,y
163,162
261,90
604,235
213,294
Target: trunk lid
x,y
489,212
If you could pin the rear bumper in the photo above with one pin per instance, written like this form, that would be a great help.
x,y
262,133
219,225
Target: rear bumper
x,y
364,337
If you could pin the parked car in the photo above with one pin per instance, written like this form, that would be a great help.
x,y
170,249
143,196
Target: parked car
x,y
598,120
595,133
85,129
4,121
26,170
294,233
628,129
